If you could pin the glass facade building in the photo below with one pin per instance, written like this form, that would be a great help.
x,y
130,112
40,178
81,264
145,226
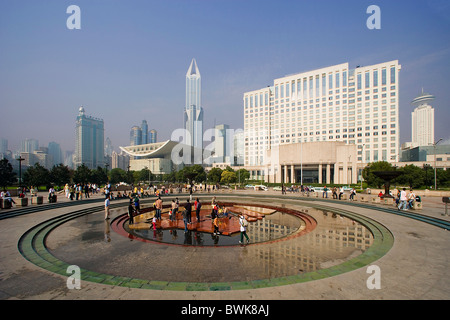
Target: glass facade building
x,y
89,149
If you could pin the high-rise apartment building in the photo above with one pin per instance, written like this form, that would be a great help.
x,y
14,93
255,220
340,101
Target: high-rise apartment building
x,y
144,129
135,136
152,137
357,106
422,121
193,112
89,149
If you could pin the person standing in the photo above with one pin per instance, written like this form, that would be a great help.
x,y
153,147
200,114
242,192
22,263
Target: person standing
x,y
216,226
187,214
243,228
403,200
130,212
188,208
158,206
107,205
198,206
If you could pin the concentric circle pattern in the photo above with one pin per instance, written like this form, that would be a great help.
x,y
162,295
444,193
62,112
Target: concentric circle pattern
x,y
150,265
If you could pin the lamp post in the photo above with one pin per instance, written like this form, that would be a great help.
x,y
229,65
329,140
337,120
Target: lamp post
x,y
434,145
20,159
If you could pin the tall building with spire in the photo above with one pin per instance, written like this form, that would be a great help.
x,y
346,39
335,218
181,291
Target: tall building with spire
x,y
193,112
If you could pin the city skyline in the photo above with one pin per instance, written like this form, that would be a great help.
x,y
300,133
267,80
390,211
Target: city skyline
x,y
129,63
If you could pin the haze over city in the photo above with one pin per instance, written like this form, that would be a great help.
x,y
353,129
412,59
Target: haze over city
x,y
128,61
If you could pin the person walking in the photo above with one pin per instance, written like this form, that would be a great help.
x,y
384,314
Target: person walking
x,y
243,228
107,205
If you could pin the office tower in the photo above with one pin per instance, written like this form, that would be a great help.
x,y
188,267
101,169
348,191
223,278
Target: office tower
x,y
135,136
29,145
422,121
358,106
89,148
54,149
221,143
152,136
108,147
3,145
144,129
193,113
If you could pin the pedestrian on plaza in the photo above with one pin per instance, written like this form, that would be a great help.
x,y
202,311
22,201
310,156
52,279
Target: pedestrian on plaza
x,y
403,200
335,193
158,207
243,228
86,191
341,192
325,192
411,199
174,209
130,212
216,225
187,214
197,206
107,205
188,208
136,204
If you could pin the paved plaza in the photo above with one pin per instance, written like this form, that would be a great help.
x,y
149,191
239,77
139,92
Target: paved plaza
x,y
332,251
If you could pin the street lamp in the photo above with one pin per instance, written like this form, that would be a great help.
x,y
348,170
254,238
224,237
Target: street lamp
x,y
20,159
434,145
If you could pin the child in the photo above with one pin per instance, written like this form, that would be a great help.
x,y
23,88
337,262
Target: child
x,y
154,222
216,225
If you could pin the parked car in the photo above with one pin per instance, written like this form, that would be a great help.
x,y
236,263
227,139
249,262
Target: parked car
x,y
248,186
277,188
261,187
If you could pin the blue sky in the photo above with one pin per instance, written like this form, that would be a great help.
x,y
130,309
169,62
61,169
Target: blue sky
x,y
128,62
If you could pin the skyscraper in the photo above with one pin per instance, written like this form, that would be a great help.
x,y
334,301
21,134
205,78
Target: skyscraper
x,y
193,113
54,149
152,136
135,136
89,149
144,129
422,121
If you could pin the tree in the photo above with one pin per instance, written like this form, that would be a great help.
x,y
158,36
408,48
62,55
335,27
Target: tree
x,y
82,174
98,176
37,176
228,177
117,175
191,173
370,178
7,176
413,176
214,175
242,175
60,175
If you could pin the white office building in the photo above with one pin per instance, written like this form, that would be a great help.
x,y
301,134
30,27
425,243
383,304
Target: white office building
x,y
422,121
356,106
